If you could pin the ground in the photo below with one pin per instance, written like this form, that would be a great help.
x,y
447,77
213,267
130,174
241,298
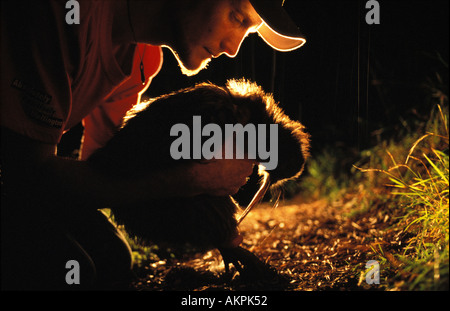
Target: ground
x,y
306,246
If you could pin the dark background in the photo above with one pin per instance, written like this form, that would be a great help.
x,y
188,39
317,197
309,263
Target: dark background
x,y
351,83
326,84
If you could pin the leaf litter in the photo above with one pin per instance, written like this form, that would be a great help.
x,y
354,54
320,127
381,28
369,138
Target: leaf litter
x,y
305,246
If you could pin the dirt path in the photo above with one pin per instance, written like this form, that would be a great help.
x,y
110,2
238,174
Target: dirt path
x,y
312,246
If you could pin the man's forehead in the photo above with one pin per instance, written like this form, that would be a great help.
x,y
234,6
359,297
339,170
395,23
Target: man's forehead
x,y
245,7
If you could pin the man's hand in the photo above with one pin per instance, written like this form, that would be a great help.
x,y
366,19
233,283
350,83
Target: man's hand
x,y
221,177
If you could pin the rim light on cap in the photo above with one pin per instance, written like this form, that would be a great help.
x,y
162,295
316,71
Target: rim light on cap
x,y
278,30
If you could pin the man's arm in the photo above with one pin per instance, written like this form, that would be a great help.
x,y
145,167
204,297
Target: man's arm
x,y
29,165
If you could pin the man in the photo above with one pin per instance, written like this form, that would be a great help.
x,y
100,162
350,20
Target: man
x,y
56,74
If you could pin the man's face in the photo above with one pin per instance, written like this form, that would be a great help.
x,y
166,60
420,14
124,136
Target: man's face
x,y
211,28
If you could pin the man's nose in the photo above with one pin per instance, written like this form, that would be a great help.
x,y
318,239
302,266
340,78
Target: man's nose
x,y
232,44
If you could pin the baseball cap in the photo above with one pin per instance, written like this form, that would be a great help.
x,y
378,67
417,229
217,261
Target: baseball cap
x,y
278,29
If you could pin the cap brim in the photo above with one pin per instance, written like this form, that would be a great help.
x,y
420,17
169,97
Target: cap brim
x,y
278,29
278,41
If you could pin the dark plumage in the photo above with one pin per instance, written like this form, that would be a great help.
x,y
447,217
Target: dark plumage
x,y
142,145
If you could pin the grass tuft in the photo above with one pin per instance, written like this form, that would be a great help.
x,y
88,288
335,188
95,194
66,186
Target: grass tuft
x,y
420,185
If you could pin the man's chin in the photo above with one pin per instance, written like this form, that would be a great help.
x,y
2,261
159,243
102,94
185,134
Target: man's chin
x,y
190,69
192,72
